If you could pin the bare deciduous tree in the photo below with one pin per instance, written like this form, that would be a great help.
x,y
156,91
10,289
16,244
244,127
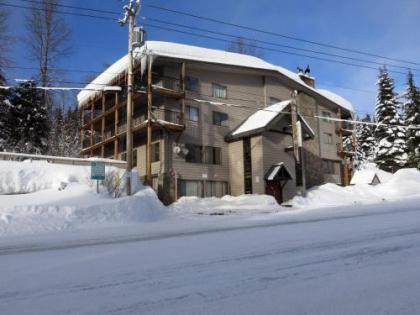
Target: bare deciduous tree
x,y
243,46
5,42
48,38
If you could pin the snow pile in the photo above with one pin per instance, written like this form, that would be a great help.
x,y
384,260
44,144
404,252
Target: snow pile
x,y
77,207
366,173
27,177
226,205
403,184
51,197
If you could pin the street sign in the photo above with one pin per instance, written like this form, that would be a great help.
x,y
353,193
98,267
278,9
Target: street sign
x,y
97,170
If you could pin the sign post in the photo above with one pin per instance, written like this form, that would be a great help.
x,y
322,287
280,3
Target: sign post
x,y
97,172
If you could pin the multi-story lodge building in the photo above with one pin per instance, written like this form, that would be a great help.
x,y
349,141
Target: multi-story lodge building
x,y
219,123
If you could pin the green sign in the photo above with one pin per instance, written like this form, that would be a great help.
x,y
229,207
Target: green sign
x,y
97,170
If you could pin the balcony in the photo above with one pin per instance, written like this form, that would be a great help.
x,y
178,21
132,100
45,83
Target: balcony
x,y
168,86
109,132
122,128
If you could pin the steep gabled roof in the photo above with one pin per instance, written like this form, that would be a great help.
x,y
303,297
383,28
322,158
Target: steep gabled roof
x,y
265,119
278,171
200,54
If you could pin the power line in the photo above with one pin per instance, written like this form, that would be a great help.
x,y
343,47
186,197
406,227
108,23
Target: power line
x,y
59,12
152,6
226,34
235,25
61,70
228,41
275,44
230,35
58,88
218,103
71,7
271,49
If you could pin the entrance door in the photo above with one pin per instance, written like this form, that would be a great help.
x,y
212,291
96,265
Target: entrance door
x,y
273,188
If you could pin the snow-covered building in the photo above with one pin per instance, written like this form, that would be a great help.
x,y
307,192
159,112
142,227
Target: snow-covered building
x,y
219,123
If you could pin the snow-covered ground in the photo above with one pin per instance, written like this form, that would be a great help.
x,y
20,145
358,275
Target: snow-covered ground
x,y
318,262
66,249
42,198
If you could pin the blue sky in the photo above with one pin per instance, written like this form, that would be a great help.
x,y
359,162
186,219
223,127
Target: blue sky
x,y
381,27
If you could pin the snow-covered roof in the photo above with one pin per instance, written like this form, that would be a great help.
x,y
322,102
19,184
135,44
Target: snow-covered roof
x,y
339,100
195,53
278,171
261,118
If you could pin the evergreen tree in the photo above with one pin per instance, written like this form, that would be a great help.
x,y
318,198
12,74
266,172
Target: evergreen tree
x,y
391,141
56,137
365,141
5,121
29,117
412,119
64,139
72,138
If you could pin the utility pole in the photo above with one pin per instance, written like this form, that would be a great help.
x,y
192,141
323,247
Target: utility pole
x,y
131,11
297,136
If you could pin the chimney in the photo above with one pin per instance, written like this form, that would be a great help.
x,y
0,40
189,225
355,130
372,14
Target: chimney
x,y
307,79
305,76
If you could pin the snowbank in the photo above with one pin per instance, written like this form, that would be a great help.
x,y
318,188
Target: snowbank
x,y
27,177
226,205
50,197
77,207
404,183
365,174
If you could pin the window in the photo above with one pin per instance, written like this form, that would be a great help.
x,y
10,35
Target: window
x,y
195,153
215,189
200,188
328,167
274,100
206,155
219,91
190,188
192,113
191,84
220,119
328,138
156,152
327,115
212,155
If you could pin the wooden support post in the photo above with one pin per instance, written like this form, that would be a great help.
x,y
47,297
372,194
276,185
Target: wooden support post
x,y
293,113
345,179
298,140
92,116
82,131
103,125
116,141
183,116
149,124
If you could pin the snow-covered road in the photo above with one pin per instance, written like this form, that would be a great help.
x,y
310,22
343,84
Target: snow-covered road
x,y
362,264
